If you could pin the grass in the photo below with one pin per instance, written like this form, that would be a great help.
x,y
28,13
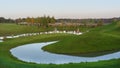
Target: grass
x,y
98,40
8,61
101,34
13,29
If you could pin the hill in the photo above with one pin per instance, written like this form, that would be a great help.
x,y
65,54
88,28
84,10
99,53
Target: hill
x,y
100,40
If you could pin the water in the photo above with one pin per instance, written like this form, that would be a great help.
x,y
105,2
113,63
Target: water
x,y
34,53
33,34
1,40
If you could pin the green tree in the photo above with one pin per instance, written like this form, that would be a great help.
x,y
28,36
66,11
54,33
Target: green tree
x,y
100,23
32,20
118,23
38,21
28,20
52,20
44,21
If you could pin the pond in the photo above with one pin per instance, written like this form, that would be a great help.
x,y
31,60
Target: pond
x,y
1,40
33,34
34,53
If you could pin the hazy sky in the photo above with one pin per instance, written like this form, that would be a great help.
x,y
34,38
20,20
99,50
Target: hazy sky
x,y
60,8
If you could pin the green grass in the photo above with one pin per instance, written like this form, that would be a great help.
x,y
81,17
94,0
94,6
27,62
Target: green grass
x,y
13,29
8,61
98,40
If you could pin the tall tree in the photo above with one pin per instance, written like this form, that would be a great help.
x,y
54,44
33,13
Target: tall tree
x,y
32,20
28,20
53,20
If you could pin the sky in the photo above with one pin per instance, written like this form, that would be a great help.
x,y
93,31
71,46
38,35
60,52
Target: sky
x,y
60,8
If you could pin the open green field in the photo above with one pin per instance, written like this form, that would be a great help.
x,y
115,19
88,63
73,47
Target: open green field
x,y
14,29
100,39
8,61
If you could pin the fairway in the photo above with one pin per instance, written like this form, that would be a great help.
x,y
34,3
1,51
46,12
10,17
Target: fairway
x,y
102,39
14,29
59,33
7,29
100,33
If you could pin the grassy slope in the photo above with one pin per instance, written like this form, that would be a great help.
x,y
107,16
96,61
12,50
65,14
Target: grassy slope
x,y
8,61
101,39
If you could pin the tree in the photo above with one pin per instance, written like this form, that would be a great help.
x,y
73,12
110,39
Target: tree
x,y
32,20
18,20
38,21
118,23
84,21
100,23
44,21
2,19
28,20
52,20
48,19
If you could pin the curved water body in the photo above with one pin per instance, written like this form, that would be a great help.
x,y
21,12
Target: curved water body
x,y
34,53
33,34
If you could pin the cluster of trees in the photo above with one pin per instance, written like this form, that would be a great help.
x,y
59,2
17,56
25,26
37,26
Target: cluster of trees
x,y
40,21
3,20
103,20
46,20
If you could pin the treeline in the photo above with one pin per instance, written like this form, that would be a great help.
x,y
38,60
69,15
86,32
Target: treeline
x,y
45,20
4,20
103,20
39,21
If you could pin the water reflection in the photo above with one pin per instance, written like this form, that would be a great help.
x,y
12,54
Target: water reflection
x,y
33,34
1,40
34,53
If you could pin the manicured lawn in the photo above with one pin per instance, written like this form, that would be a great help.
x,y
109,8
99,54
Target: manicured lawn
x,y
8,61
99,39
14,29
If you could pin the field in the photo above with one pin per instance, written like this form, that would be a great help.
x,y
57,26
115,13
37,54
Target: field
x,y
13,29
100,39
